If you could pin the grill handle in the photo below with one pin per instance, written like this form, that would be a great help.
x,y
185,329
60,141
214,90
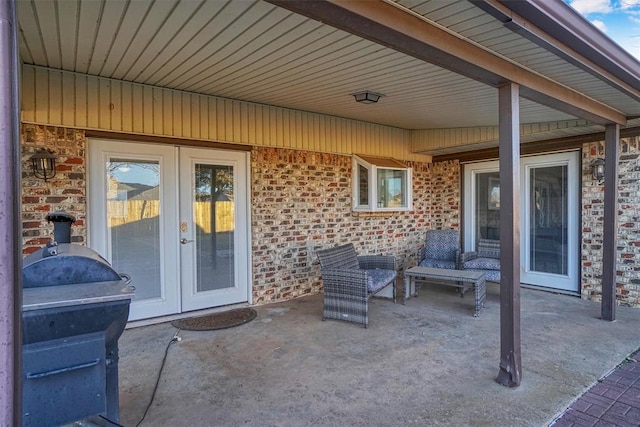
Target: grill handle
x,y
125,277
61,370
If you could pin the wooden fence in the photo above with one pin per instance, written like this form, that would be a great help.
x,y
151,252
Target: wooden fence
x,y
128,211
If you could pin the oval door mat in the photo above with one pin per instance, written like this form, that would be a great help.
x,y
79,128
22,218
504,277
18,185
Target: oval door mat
x,y
222,320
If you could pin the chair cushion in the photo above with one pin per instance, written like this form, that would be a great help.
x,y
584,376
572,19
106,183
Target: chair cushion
x,y
441,244
378,279
482,264
438,263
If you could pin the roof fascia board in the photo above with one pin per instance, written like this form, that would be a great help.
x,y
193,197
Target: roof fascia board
x,y
398,28
564,23
535,34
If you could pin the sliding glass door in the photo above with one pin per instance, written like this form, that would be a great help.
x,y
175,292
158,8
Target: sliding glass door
x,y
550,208
550,214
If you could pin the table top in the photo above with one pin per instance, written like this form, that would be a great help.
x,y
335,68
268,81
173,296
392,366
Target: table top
x,y
43,297
444,273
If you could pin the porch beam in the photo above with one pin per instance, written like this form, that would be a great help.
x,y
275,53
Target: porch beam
x,y
10,258
392,25
610,226
510,372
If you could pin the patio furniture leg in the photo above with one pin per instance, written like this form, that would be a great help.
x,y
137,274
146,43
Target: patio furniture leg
x,y
480,295
394,290
405,289
409,281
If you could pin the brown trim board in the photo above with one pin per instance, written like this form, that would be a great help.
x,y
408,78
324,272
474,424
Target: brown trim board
x,y
166,140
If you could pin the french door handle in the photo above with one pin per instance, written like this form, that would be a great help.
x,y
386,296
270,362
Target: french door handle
x,y
184,241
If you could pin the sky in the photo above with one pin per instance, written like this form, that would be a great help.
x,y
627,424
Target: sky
x,y
619,19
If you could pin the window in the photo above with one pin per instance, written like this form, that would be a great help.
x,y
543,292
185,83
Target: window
x,y
381,184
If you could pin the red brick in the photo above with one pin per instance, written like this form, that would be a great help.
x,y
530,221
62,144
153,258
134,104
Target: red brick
x,y
56,199
74,161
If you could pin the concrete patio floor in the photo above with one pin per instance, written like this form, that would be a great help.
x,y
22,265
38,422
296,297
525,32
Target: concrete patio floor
x,y
426,363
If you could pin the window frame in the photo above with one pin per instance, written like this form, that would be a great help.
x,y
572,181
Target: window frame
x,y
373,165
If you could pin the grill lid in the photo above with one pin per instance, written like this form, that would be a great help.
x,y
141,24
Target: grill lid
x,y
66,264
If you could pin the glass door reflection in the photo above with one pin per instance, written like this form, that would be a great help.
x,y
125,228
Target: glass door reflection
x,y
214,215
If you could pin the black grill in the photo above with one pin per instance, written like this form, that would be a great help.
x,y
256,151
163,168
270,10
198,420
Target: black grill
x,y
75,307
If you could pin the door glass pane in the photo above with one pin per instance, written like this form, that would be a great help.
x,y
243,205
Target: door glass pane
x,y
548,219
133,218
214,210
488,205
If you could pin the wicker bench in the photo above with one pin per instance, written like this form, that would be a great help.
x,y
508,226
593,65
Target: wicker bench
x,y
458,278
350,280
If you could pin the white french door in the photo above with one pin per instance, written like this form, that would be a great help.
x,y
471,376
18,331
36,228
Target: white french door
x,y
175,220
213,239
550,214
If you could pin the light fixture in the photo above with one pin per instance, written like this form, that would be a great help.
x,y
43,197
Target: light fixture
x,y
367,97
43,163
597,170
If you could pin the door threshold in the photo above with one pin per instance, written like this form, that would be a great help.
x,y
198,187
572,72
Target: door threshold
x,y
552,290
172,317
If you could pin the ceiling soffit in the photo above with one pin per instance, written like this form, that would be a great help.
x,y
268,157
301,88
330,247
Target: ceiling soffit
x,y
399,28
257,52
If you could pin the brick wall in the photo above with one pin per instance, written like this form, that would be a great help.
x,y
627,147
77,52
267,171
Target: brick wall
x,y
628,264
301,202
444,184
66,191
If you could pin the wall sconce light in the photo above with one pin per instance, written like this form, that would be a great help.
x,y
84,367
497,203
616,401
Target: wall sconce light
x,y
367,97
43,163
597,170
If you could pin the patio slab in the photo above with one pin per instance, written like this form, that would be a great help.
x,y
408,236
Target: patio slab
x,y
429,362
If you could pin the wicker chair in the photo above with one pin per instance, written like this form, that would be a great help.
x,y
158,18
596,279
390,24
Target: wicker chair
x,y
485,258
350,280
441,250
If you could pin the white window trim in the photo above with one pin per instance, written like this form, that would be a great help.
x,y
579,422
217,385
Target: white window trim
x,y
372,168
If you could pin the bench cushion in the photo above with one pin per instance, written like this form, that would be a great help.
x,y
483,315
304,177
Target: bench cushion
x,y
378,279
482,264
